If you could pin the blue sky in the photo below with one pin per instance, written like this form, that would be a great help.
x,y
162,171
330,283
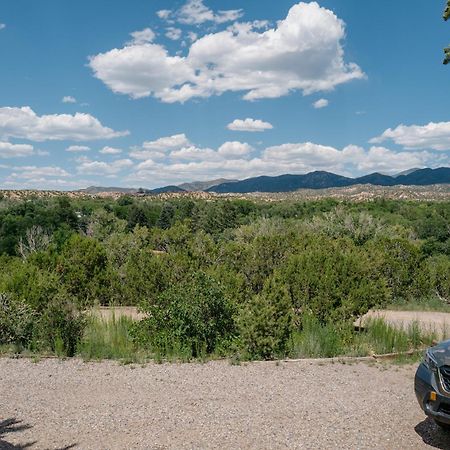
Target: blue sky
x,y
149,93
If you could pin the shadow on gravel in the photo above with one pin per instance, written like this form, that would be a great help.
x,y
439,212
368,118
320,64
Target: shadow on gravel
x,y
15,426
433,435
12,426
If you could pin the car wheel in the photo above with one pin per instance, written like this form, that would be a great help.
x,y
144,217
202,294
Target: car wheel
x,y
444,426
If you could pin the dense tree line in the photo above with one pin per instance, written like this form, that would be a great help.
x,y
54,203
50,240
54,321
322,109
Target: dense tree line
x,y
213,275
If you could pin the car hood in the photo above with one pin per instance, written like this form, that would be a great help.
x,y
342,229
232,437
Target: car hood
x,y
441,353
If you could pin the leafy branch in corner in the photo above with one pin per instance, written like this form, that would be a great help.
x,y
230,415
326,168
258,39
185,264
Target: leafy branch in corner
x,y
446,17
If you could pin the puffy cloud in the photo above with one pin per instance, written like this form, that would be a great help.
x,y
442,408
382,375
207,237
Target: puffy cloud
x,y
434,136
142,37
87,166
25,123
380,159
249,125
303,52
192,36
194,12
77,148
48,177
321,103
230,149
235,160
141,70
69,99
193,153
35,172
110,151
164,13
8,150
2,26
173,33
158,148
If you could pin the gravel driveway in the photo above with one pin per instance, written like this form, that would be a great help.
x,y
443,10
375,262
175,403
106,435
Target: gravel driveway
x,y
312,405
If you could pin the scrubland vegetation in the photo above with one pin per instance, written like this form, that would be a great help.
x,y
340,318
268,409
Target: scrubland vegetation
x,y
222,278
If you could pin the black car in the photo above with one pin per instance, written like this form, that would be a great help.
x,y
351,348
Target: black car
x,y
432,384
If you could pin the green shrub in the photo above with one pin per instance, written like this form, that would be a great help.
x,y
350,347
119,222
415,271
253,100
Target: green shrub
x,y
192,316
265,324
16,320
433,278
60,326
83,271
333,280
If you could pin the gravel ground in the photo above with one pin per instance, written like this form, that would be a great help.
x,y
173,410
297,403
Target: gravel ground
x,y
57,404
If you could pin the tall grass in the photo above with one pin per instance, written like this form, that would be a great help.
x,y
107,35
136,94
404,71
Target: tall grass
x,y
316,340
109,339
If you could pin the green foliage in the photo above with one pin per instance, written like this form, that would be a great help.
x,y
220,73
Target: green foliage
x,y
167,216
16,320
317,340
264,279
433,278
380,338
193,315
108,339
446,17
397,261
83,268
60,326
333,280
265,323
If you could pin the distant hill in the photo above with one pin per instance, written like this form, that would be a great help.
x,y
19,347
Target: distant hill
x,y
321,180
406,172
284,183
291,183
203,185
377,179
165,190
425,177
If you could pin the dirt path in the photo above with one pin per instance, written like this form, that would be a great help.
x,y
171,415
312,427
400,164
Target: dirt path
x,y
307,405
429,321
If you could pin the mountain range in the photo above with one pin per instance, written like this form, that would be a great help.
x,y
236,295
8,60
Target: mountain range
x,y
290,183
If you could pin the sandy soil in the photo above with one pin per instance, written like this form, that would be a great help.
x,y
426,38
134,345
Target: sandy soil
x,y
108,312
57,404
431,321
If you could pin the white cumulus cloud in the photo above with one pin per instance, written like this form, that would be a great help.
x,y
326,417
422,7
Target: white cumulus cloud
x,y
25,123
110,151
69,99
35,172
237,160
304,52
87,166
234,148
251,125
142,37
195,12
435,136
8,150
173,33
77,148
159,147
321,103
2,26
164,13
